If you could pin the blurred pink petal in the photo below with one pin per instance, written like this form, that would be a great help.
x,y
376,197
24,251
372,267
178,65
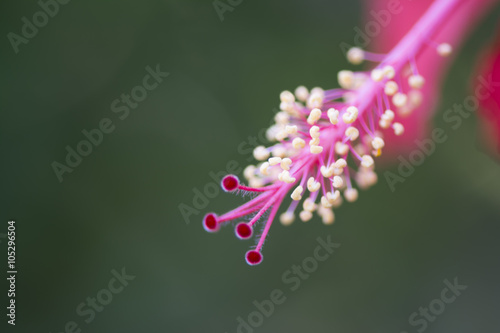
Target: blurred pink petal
x,y
432,68
489,69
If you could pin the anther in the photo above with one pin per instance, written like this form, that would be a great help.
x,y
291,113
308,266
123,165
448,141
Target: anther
x,y
333,115
305,215
264,168
302,93
398,128
367,161
274,160
313,185
352,133
260,153
355,55
287,97
391,88
297,193
316,149
314,116
298,143
285,163
341,148
337,182
291,129
444,49
287,218
350,115
416,81
314,132
351,194
377,74
389,72
346,79
399,99
378,143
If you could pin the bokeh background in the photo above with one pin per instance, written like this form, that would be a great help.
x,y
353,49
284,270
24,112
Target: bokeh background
x,y
120,206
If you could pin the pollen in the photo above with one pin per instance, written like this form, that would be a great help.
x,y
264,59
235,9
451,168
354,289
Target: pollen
x,y
416,81
340,163
444,49
302,93
286,177
297,193
327,215
399,99
316,149
355,55
333,116
260,153
346,79
249,172
378,143
327,172
314,132
391,88
398,129
287,218
389,72
264,168
298,143
367,161
315,100
350,115
274,160
313,185
291,129
341,148
352,133
309,205
282,118
333,197
314,116
415,98
337,182
287,97
285,163
325,203
377,74
305,215
351,194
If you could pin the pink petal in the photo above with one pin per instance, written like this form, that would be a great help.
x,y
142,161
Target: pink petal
x,y
431,67
489,100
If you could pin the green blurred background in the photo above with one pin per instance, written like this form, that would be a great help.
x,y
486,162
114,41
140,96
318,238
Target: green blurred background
x,y
119,207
